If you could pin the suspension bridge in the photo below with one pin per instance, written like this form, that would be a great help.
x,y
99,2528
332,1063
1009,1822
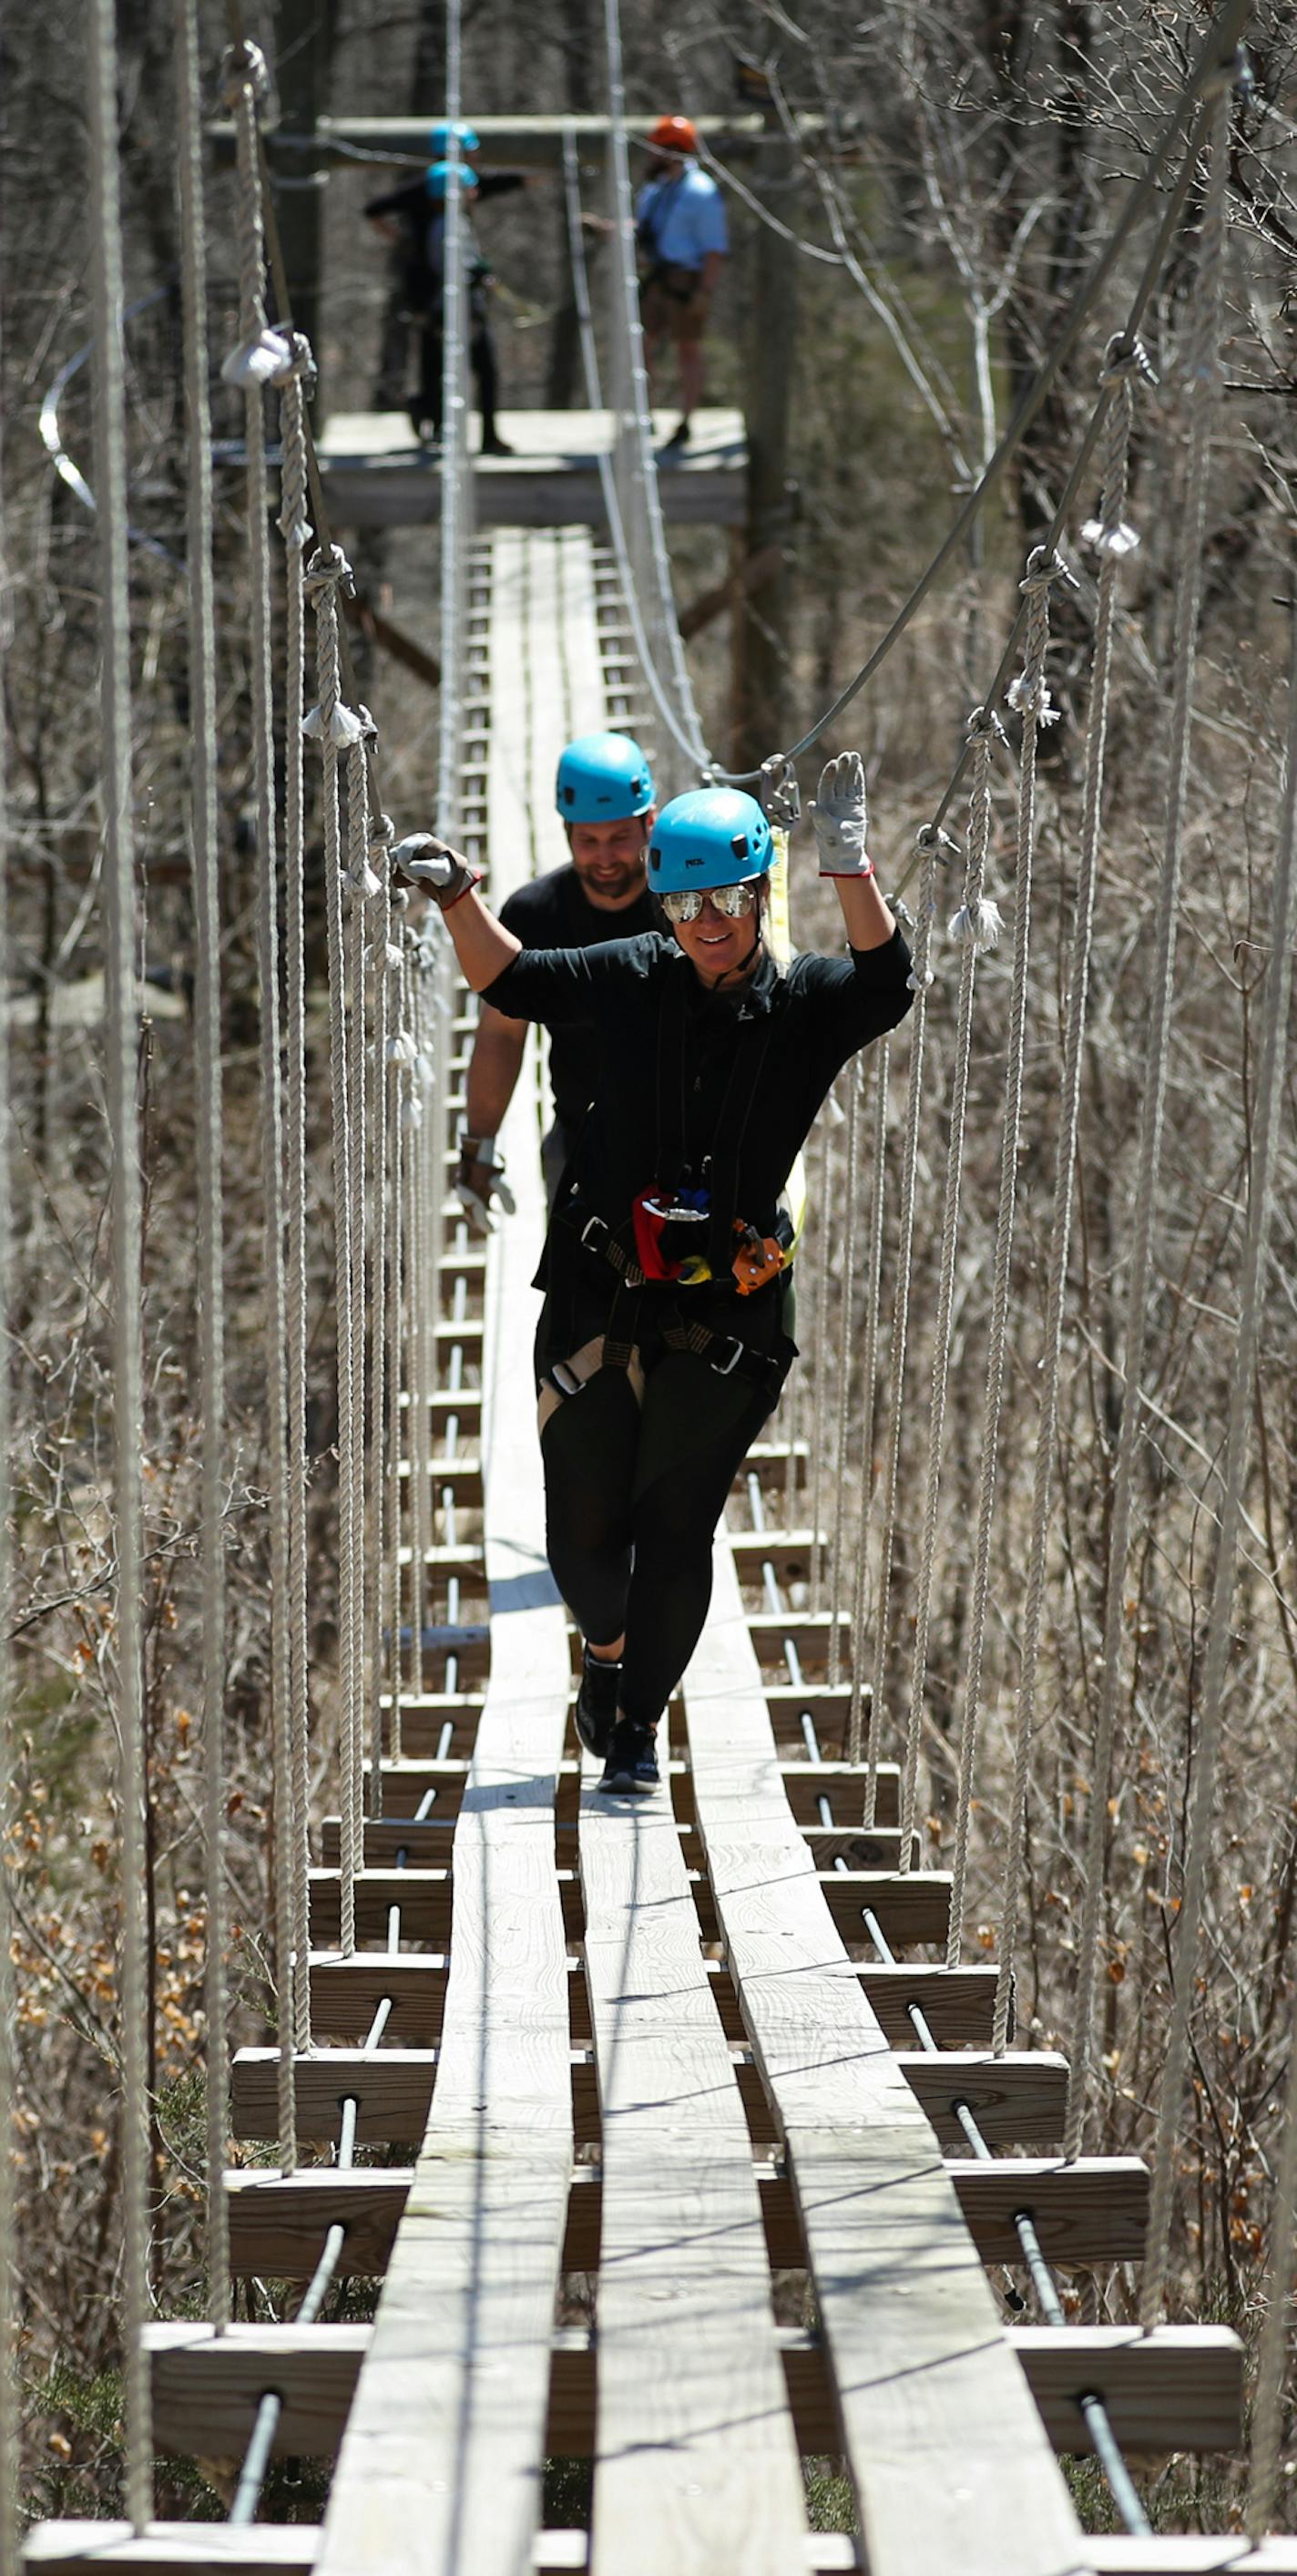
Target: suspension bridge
x,y
522,2037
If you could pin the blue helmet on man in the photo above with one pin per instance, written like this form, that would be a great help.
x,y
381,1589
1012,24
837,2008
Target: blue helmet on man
x,y
714,836
437,177
439,137
602,778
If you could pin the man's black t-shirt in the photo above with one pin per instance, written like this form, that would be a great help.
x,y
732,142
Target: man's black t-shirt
x,y
554,912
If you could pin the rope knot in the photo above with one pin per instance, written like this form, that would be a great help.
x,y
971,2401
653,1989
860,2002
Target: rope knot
x,y
1126,358
243,67
1028,695
1044,567
264,358
1116,541
327,570
341,728
978,925
983,725
932,843
301,365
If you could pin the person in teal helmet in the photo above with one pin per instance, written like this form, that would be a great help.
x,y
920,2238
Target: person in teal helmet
x,y
414,216
605,799
667,1327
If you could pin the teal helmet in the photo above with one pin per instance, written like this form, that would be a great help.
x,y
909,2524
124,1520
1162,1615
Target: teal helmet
x,y
439,136
714,836
602,778
438,173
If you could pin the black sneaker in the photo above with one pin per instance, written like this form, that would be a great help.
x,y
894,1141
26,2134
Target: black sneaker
x,y
596,1705
632,1758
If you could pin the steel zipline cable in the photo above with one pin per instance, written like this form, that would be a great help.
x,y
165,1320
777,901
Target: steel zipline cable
x,y
1219,46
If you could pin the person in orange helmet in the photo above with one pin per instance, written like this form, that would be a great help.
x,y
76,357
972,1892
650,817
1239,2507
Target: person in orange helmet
x,y
683,242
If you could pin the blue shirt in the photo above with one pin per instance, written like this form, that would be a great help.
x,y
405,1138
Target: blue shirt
x,y
681,221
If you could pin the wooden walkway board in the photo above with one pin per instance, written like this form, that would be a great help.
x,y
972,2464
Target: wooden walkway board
x,y
937,2421
440,2466
1095,2211
696,2461
376,475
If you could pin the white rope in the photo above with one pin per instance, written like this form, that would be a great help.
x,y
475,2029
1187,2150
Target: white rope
x,y
204,848
337,727
11,2520
1115,541
634,462
920,979
1269,1114
1051,1359
382,1485
122,1042
399,1377
976,927
418,1304
1273,2355
456,473
1030,696
262,354
823,1187
363,885
1276,2330
856,1081
685,732
1204,375
873,1296
296,530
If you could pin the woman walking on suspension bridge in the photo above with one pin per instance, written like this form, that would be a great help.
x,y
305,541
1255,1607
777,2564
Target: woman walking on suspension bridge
x,y
666,1332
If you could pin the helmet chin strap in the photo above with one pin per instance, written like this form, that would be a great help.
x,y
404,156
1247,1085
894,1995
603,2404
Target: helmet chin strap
x,y
744,962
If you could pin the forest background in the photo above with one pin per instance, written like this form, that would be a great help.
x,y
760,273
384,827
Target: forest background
x,y
969,158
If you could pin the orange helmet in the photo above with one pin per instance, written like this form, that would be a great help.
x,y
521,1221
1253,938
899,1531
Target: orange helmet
x,y
673,134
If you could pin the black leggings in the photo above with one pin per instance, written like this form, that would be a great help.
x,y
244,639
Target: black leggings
x,y
632,1497
481,350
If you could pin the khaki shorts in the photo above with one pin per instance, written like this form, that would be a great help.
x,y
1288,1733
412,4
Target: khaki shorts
x,y
673,304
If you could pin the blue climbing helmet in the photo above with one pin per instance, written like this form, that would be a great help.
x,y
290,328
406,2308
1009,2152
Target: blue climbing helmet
x,y
714,836
437,177
602,778
439,136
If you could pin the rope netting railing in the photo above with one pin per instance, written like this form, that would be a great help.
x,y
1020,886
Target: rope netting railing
x,y
390,1024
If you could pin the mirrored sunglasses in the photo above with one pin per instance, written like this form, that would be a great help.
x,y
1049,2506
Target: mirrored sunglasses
x,y
731,900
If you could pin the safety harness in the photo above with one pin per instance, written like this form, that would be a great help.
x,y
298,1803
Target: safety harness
x,y
727,1353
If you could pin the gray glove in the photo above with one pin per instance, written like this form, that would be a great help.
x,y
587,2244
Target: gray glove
x,y
436,867
780,795
838,814
479,1180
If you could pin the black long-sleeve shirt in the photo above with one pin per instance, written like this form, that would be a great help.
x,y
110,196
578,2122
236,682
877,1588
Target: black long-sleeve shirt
x,y
421,217
815,1016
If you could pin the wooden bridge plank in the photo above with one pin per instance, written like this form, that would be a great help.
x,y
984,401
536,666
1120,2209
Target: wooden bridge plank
x,y
268,2549
1177,2388
912,1906
172,2548
1014,2098
696,2457
935,2417
1089,2212
440,2468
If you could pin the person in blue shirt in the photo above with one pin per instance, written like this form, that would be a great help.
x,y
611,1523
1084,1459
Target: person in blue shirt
x,y
683,241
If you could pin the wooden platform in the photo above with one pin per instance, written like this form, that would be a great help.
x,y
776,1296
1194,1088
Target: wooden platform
x,y
377,476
